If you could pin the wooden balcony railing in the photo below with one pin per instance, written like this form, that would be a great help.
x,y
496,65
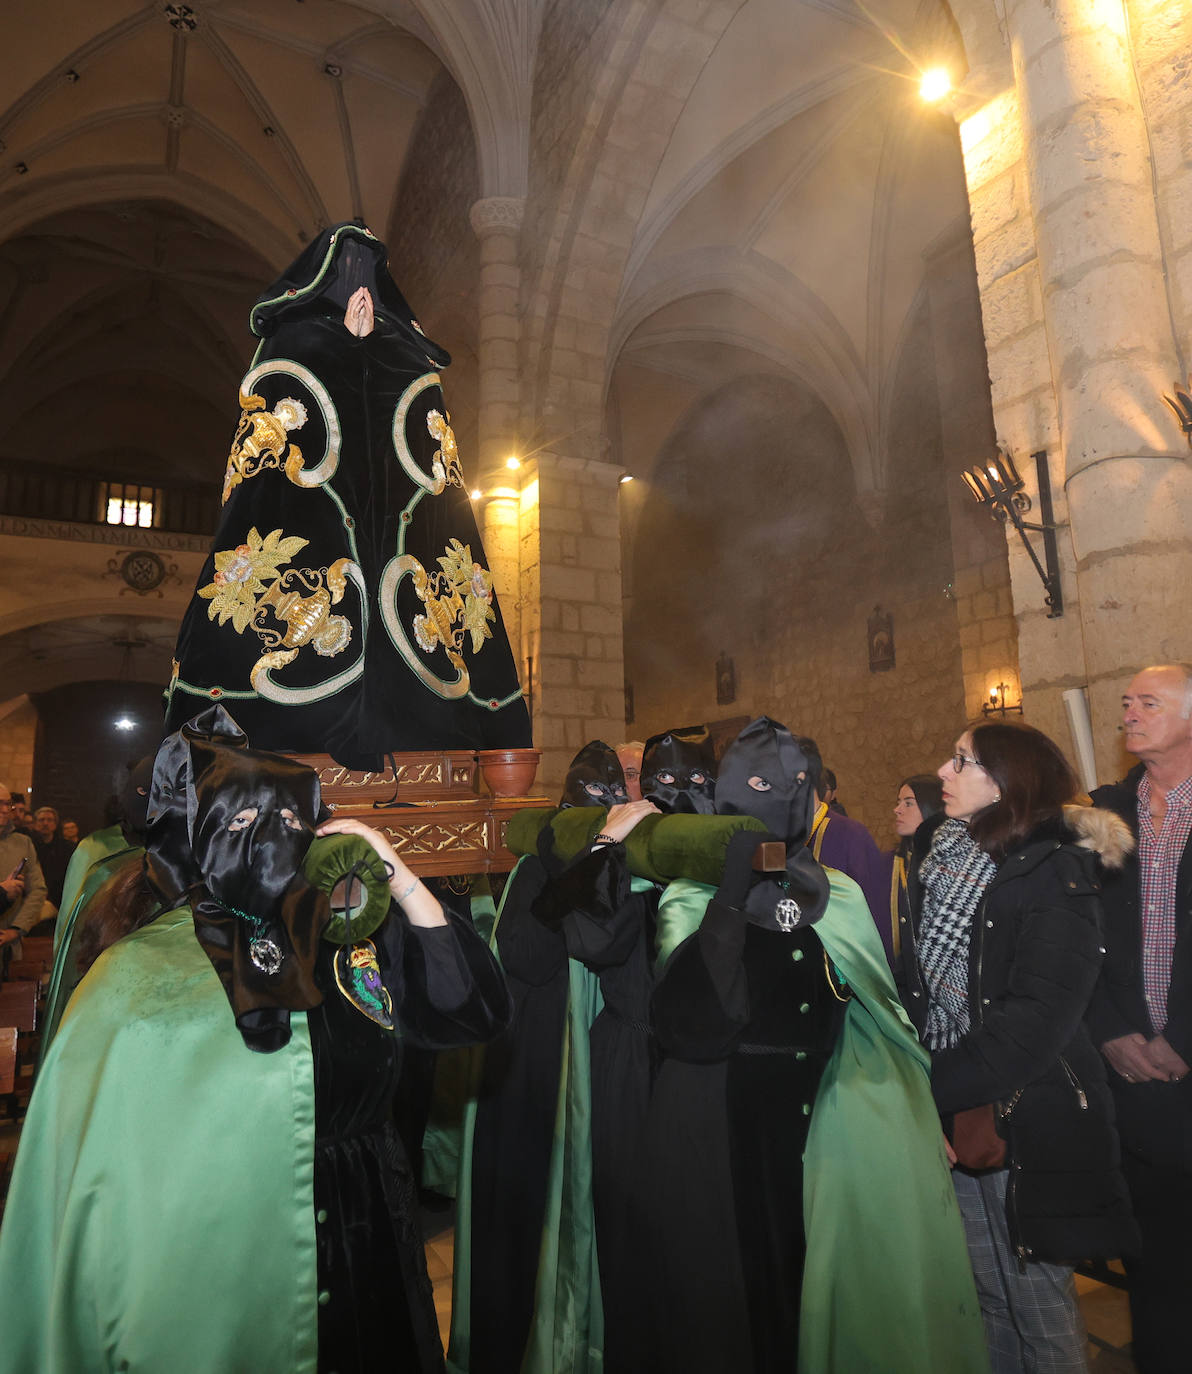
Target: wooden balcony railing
x,y
41,492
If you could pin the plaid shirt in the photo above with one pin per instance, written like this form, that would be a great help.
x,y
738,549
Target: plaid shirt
x,y
1158,861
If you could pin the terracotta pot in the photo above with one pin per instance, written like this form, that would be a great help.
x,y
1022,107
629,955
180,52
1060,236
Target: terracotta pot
x,y
509,772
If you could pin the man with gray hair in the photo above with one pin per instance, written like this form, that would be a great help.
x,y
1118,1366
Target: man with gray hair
x,y
1141,1012
22,887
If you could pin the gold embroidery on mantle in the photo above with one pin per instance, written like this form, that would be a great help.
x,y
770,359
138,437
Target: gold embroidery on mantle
x,y
263,440
285,609
458,603
445,465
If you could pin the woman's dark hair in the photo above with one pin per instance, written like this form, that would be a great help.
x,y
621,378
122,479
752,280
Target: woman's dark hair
x,y
929,793
123,904
1033,776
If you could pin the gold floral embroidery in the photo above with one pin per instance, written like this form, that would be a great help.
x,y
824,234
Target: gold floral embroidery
x,y
458,603
263,440
241,573
445,465
251,589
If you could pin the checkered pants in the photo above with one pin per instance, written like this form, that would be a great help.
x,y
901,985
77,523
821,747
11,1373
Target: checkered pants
x,y
1033,1323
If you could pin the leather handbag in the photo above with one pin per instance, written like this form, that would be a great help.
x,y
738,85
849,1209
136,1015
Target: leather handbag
x,y
975,1138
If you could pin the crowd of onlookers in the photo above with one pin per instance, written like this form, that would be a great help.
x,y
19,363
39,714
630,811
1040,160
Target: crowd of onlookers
x,y
35,849
1037,940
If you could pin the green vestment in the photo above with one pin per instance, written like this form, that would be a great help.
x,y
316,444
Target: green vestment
x,y
97,856
161,1216
887,1285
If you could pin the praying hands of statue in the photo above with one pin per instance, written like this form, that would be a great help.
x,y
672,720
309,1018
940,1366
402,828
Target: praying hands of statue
x,y
359,317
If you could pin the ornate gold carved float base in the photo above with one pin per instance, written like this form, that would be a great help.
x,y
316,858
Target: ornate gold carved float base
x,y
431,808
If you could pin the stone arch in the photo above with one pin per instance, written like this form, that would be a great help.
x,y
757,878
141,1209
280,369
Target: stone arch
x,y
581,242
20,212
820,353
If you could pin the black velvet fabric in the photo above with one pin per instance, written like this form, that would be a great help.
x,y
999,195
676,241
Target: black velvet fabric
x,y
515,1120
678,771
745,1021
609,928
447,991
375,627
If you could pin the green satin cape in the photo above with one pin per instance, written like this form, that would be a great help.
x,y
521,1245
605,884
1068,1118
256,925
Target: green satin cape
x,y
97,856
887,1287
567,1328
161,1217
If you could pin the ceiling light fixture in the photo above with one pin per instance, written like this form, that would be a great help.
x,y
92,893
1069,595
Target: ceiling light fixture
x,y
935,84
512,463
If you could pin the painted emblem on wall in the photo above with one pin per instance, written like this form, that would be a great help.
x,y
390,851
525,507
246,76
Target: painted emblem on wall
x,y
881,641
142,571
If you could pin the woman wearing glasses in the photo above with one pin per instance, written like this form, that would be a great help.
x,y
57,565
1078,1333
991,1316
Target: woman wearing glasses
x,y
1004,951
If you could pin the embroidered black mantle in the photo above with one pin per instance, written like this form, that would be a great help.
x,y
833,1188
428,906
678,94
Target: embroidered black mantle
x,y
346,606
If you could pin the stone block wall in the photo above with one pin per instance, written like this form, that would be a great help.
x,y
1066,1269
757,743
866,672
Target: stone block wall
x,y
18,737
569,598
752,543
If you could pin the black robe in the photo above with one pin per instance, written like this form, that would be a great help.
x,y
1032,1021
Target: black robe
x,y
745,1020
446,989
346,606
587,912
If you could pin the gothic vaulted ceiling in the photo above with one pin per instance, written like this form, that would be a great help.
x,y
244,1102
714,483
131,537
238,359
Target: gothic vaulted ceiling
x,y
159,163
786,227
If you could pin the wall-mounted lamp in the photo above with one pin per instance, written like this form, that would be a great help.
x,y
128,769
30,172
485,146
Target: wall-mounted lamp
x,y
626,477
476,493
1181,404
997,704
998,486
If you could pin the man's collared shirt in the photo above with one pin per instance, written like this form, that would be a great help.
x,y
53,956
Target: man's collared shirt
x,y
1158,862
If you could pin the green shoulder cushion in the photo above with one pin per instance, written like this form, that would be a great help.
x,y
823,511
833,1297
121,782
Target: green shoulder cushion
x,y
659,848
332,857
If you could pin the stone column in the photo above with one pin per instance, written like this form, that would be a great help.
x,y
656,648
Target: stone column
x,y
1110,338
497,224
572,619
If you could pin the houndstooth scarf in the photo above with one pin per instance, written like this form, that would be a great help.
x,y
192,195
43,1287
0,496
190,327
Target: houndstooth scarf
x,y
953,876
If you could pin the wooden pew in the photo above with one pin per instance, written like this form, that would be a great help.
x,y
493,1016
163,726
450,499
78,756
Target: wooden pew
x,y
18,1006
8,1060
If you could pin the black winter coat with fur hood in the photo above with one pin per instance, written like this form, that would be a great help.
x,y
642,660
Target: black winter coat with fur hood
x,y
1034,956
